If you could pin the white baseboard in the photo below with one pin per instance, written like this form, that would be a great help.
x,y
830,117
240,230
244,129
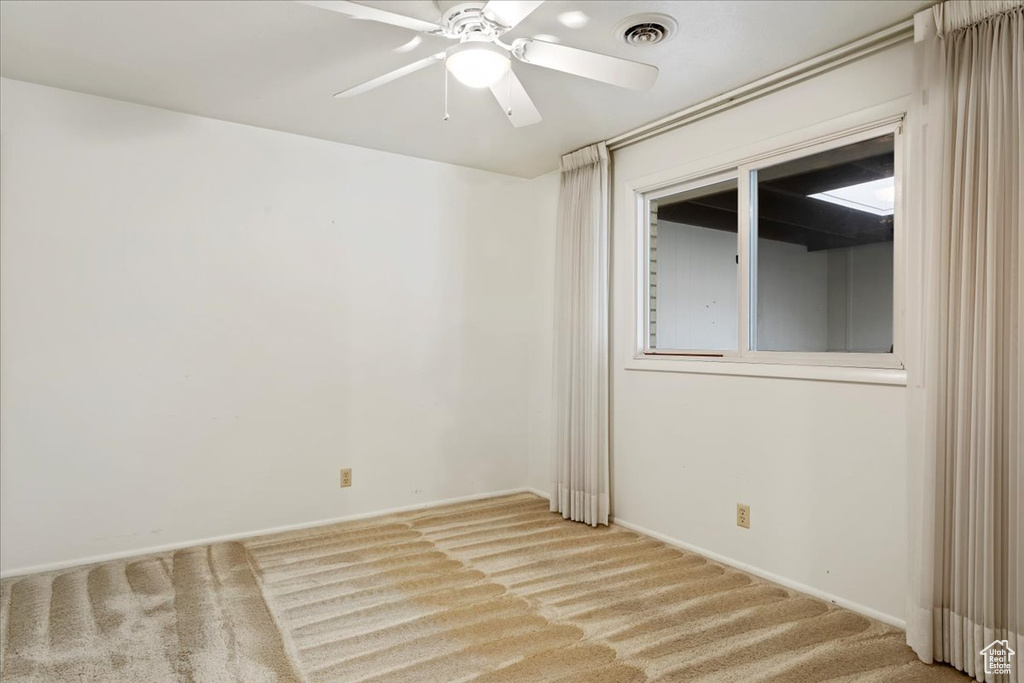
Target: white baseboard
x,y
795,585
775,578
95,559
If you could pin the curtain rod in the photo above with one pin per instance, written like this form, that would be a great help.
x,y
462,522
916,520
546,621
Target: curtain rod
x,y
850,52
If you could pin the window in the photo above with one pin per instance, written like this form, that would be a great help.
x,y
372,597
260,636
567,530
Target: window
x,y
693,258
787,258
822,251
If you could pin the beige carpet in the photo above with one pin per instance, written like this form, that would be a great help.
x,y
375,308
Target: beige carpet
x,y
494,590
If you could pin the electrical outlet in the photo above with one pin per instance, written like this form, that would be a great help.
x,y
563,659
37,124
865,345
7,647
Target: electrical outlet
x,y
743,515
346,478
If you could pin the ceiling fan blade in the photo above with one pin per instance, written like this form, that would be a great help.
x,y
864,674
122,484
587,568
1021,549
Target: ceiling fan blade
x,y
391,76
605,68
357,11
523,111
508,13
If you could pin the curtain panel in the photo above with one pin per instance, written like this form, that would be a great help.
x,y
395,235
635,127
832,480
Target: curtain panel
x,y
965,337
579,470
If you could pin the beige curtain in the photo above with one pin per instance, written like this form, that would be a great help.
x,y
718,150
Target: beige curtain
x,y
579,488
966,335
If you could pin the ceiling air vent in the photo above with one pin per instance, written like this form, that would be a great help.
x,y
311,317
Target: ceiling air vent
x,y
645,29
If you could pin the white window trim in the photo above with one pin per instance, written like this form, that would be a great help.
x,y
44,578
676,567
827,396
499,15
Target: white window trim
x,y
872,368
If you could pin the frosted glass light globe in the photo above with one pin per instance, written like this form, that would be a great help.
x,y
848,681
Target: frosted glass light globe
x,y
478,65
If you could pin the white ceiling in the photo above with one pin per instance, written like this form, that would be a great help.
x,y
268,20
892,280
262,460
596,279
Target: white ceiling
x,y
276,64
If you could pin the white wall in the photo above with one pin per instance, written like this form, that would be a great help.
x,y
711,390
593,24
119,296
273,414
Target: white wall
x,y
838,299
835,300
860,291
822,464
696,293
792,297
202,322
539,280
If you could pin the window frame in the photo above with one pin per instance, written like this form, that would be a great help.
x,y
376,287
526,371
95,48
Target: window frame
x,y
886,368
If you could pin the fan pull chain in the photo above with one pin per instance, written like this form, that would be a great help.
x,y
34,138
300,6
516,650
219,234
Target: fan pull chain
x,y
509,112
446,117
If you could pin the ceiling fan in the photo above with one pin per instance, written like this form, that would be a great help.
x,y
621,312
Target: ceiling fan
x,y
482,60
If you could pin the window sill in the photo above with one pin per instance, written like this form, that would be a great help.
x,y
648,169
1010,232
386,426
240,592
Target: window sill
x,y
892,376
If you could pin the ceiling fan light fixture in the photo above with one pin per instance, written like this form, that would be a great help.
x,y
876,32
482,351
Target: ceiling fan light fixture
x,y
477,64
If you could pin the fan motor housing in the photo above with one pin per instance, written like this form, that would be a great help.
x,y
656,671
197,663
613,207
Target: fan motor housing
x,y
466,19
